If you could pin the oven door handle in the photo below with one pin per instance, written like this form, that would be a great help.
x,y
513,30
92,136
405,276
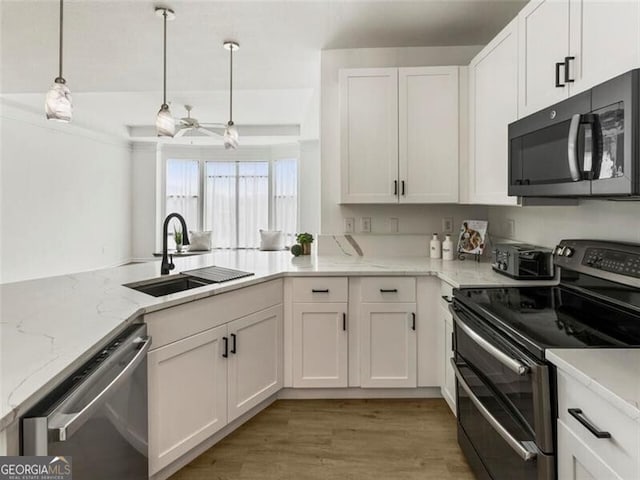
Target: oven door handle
x,y
511,363
525,450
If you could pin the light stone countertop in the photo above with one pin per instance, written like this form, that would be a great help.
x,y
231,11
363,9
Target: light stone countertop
x,y
49,326
613,374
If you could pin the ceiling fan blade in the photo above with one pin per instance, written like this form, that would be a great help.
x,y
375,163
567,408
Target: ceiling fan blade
x,y
213,125
182,131
208,132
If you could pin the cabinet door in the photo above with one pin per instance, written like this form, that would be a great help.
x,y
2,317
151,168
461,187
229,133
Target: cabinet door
x,y
544,40
493,104
255,360
428,134
187,395
320,345
387,345
449,383
605,41
369,135
577,461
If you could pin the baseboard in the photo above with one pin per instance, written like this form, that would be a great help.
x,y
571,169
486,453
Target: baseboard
x,y
357,393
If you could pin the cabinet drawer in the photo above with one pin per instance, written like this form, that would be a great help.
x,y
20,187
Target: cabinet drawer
x,y
388,289
621,450
320,289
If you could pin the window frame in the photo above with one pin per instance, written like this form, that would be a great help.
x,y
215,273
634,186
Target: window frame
x,y
206,154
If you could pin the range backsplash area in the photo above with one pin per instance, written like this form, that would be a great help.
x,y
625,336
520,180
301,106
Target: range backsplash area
x,y
595,219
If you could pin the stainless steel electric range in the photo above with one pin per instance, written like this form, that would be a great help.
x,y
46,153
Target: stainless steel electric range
x,y
505,387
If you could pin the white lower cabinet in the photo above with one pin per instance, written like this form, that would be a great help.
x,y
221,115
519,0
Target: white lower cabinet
x,y
320,345
449,380
388,355
576,461
255,360
201,383
187,395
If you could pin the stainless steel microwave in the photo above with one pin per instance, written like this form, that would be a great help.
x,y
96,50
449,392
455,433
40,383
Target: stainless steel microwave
x,y
584,146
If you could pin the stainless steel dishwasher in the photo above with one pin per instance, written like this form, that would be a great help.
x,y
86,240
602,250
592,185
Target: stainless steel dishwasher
x,y
98,416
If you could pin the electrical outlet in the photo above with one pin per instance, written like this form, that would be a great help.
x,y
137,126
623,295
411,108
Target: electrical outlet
x,y
365,224
394,223
447,225
509,228
349,225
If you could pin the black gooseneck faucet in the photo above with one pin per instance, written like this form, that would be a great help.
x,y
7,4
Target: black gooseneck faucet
x,y
167,260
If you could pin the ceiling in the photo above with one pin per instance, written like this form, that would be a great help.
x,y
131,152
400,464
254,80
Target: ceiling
x,y
113,50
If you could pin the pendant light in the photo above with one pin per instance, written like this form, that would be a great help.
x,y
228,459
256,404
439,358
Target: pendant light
x,y
231,132
165,123
57,104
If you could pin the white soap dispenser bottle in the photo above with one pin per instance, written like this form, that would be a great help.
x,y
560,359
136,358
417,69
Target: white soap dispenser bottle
x,y
435,247
447,248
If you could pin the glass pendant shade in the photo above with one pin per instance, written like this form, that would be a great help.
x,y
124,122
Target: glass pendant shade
x,y
231,137
165,123
57,103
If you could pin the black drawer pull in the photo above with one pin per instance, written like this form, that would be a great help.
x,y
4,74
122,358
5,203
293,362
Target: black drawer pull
x,y
233,347
388,290
558,84
413,321
446,299
225,340
579,416
344,322
318,290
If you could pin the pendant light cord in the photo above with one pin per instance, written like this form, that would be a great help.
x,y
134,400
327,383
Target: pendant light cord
x,y
164,74
231,86
60,44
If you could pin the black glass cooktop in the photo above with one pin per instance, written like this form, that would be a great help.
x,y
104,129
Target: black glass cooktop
x,y
555,317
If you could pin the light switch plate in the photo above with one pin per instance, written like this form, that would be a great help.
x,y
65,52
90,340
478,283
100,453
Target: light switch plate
x,y
447,225
365,224
349,225
394,224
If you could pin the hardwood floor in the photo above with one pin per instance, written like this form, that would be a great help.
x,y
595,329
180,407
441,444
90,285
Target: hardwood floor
x,y
338,440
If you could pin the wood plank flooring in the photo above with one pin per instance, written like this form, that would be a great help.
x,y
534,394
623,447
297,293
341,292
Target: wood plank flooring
x,y
338,440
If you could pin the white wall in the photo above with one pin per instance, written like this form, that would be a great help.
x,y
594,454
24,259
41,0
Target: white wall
x,y
412,219
145,184
309,187
66,198
593,219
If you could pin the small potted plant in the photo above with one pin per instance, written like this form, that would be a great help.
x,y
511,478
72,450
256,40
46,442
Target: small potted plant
x,y
177,236
305,240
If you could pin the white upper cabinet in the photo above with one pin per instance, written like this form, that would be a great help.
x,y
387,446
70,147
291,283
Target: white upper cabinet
x,y
493,104
544,45
428,134
568,46
399,135
369,135
605,40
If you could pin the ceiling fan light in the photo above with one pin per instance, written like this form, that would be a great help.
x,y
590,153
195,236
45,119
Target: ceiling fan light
x,y
231,136
57,103
165,123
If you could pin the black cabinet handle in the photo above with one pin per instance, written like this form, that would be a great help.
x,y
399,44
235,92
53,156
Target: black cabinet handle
x,y
567,79
453,349
225,340
344,322
579,416
319,290
402,187
413,321
518,182
446,299
395,187
558,84
233,347
388,290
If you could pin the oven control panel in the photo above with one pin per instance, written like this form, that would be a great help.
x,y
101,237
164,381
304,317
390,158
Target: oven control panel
x,y
614,261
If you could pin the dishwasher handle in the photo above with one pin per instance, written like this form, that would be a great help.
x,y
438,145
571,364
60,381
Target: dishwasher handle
x,y
62,425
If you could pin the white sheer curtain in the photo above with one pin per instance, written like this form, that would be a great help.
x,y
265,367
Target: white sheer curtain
x,y
183,190
285,197
220,203
253,202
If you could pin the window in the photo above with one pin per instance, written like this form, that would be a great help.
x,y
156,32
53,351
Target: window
x,y
239,198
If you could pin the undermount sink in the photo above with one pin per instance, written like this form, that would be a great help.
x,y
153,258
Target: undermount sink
x,y
158,287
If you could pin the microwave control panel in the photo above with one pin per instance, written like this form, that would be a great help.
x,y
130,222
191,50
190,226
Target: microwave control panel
x,y
623,263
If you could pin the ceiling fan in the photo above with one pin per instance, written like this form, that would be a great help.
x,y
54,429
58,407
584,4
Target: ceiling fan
x,y
191,124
